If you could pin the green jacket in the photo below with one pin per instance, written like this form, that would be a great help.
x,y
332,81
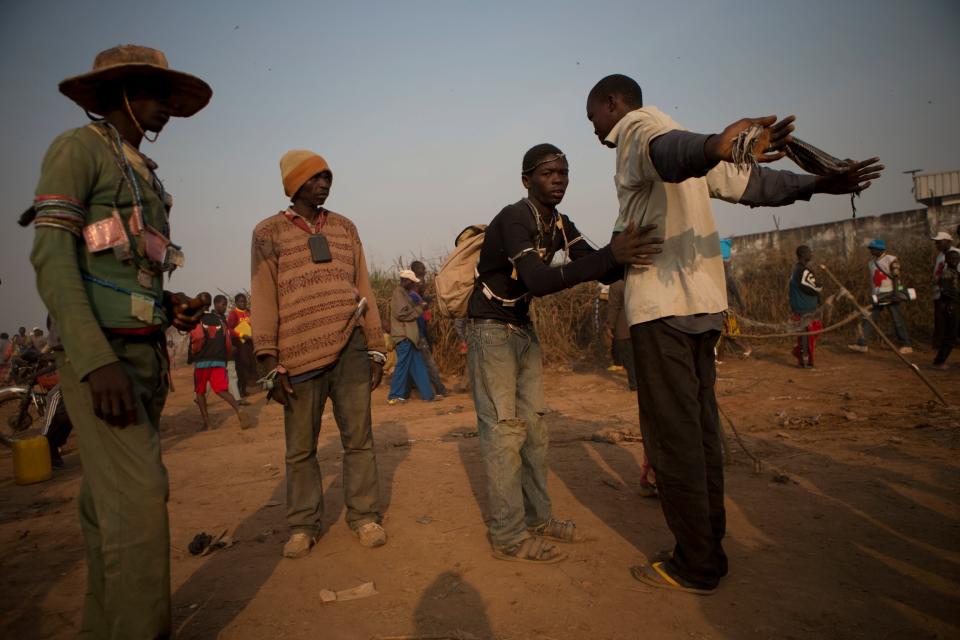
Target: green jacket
x,y
81,180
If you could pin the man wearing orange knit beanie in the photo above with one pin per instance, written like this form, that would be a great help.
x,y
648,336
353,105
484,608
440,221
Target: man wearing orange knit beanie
x,y
316,338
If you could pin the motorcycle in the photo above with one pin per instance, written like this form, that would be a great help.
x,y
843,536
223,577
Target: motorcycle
x,y
34,376
36,389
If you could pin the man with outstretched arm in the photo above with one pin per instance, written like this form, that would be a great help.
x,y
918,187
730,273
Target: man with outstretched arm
x,y
311,333
666,176
503,356
101,249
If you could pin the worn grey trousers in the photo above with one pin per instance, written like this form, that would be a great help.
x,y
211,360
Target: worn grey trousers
x,y
347,385
899,325
506,374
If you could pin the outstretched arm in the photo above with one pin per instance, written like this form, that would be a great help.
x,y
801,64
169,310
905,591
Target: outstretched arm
x,y
772,188
679,155
632,246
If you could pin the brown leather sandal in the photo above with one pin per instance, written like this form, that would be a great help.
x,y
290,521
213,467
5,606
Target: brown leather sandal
x,y
532,550
559,530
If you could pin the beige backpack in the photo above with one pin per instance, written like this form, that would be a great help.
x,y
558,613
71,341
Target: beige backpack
x,y
455,280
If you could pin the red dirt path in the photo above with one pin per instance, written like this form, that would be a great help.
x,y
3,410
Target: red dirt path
x,y
851,530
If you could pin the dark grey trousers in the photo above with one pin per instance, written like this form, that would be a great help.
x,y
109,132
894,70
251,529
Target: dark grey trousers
x,y
347,385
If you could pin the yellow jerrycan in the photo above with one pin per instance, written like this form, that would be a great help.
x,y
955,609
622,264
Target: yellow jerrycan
x,y
31,460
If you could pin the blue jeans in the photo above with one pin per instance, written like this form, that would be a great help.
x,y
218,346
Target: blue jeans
x,y
507,378
899,325
409,363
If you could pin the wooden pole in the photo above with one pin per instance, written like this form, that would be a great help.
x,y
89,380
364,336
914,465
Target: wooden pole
x,y
866,316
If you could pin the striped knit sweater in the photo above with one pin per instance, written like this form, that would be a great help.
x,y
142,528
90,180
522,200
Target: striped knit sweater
x,y
299,309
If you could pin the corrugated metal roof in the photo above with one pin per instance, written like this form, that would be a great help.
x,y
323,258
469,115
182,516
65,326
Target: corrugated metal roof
x,y
936,185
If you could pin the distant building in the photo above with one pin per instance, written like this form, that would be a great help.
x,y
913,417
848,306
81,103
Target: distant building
x,y
937,189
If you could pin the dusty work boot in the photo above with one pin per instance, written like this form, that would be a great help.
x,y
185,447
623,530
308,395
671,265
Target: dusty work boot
x,y
298,545
371,535
859,348
905,350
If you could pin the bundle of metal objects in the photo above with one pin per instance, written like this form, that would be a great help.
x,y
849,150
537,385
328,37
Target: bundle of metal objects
x,y
753,142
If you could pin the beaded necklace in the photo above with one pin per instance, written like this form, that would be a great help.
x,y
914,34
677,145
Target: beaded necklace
x,y
130,177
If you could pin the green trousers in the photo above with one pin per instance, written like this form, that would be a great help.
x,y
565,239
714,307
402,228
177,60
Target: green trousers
x,y
123,502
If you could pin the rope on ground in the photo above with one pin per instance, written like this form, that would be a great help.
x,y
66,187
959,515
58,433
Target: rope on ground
x,y
823,313
796,334
757,465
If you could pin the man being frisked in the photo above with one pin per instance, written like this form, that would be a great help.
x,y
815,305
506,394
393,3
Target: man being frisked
x,y
666,176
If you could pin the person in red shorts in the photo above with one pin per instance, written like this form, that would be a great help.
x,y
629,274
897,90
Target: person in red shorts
x,y
210,350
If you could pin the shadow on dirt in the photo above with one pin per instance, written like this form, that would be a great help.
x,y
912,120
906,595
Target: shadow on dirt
x,y
886,548
221,589
451,608
605,478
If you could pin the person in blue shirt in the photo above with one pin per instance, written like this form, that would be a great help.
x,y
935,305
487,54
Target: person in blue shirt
x,y
804,300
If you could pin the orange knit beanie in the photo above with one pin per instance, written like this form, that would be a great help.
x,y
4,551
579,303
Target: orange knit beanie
x,y
298,166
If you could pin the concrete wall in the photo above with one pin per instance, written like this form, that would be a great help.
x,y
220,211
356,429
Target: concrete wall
x,y
848,236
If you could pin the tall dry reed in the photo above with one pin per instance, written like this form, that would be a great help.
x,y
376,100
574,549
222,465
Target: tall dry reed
x,y
566,324
571,324
763,281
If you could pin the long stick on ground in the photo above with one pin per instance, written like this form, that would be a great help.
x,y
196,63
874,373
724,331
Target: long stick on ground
x,y
757,465
866,316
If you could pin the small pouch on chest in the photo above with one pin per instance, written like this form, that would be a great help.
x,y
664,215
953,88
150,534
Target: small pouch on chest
x,y
159,250
141,307
105,234
154,244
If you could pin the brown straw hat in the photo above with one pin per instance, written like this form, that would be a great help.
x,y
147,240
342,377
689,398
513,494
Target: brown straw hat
x,y
188,94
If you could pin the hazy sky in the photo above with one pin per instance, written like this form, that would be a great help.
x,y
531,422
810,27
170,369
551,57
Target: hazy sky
x,y
424,109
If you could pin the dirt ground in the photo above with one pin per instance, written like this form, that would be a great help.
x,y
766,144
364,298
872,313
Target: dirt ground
x,y
850,530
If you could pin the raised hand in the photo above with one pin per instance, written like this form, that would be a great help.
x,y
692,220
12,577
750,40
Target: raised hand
x,y
185,312
855,179
767,146
779,137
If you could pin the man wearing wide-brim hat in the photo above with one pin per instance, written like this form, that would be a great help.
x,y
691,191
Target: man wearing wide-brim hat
x,y
318,340
101,249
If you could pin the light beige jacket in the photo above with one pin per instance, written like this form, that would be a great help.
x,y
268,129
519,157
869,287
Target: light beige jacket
x,y
687,278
